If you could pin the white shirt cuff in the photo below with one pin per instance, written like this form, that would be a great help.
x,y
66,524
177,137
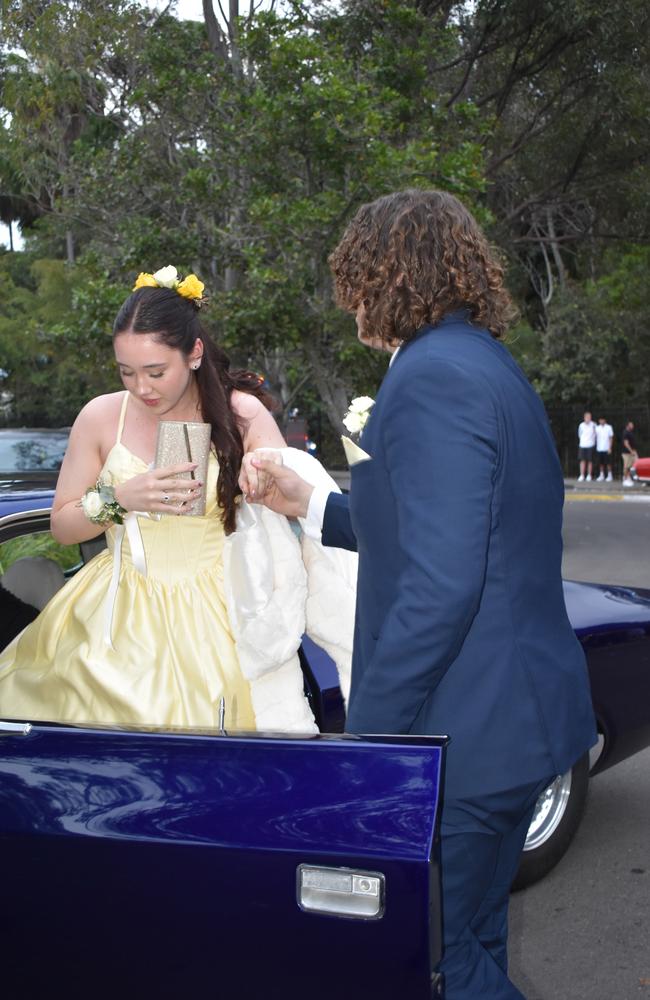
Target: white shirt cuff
x,y
312,525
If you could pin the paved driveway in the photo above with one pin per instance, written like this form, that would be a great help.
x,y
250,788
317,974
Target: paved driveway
x,y
583,933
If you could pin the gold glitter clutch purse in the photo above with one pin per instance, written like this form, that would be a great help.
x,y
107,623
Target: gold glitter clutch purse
x,y
185,441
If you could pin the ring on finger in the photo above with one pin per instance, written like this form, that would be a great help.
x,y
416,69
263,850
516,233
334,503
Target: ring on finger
x,y
165,498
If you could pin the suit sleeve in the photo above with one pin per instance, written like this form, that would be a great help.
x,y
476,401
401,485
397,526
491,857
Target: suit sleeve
x,y
337,529
440,443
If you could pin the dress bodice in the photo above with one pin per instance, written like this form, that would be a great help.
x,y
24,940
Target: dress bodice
x,y
176,546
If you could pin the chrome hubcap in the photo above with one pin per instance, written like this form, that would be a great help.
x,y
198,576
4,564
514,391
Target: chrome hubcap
x,y
549,810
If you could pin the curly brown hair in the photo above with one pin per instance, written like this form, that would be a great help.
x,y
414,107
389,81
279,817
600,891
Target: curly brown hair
x,y
412,257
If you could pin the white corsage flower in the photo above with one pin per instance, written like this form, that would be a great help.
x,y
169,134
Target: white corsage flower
x,y
101,506
167,277
92,503
357,415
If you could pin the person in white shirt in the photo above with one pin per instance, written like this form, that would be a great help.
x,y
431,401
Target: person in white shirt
x,y
586,442
604,439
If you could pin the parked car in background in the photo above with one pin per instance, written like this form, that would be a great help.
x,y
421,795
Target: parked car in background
x,y
613,626
640,471
30,458
296,433
204,848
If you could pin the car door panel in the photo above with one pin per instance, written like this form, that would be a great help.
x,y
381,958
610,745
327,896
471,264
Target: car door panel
x,y
159,864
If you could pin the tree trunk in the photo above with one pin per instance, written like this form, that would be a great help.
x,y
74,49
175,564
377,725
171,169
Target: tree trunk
x,y
557,256
233,33
69,246
334,393
216,37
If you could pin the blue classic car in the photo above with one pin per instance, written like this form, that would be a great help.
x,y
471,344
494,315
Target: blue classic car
x,y
165,863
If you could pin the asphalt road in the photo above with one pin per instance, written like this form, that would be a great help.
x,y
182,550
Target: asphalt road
x,y
583,933
608,540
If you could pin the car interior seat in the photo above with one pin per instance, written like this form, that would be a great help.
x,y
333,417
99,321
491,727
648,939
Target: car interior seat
x,y
33,580
90,548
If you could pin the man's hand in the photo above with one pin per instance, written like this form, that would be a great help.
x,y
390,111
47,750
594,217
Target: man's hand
x,y
278,488
253,481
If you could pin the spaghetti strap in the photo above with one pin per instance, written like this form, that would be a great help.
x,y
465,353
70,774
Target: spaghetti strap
x,y
120,426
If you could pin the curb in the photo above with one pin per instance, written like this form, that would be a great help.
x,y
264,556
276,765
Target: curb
x,y
573,490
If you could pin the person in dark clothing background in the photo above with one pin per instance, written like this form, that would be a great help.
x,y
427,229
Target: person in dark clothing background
x,y
628,452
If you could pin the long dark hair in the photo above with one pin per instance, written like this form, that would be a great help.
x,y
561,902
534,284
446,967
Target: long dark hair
x,y
413,256
174,321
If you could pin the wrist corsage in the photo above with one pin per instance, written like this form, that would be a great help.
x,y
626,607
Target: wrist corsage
x,y
101,506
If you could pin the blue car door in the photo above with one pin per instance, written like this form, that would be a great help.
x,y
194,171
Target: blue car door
x,y
195,864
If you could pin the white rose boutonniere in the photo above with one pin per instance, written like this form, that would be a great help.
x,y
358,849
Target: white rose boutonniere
x,y
357,415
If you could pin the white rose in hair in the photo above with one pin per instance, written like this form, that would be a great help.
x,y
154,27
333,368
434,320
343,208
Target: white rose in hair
x,y
167,277
92,503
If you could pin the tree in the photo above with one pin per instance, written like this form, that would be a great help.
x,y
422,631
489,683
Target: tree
x,y
595,346
243,154
567,86
55,339
239,149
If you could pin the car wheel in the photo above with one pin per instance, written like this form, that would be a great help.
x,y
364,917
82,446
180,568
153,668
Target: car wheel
x,y
557,816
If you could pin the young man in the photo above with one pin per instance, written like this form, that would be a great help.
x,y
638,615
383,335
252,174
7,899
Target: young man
x,y
628,452
604,440
461,626
586,442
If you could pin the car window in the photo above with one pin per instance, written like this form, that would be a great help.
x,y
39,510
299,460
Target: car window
x,y
24,450
33,568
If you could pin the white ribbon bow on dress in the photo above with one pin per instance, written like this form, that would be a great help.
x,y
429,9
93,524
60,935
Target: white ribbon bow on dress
x,y
133,533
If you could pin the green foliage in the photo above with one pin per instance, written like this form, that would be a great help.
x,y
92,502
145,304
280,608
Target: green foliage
x,y
596,345
38,544
129,140
54,337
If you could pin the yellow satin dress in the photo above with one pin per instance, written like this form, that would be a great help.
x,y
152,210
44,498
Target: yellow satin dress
x,y
172,656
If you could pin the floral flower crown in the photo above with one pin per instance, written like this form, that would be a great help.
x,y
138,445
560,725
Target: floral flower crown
x,y
167,277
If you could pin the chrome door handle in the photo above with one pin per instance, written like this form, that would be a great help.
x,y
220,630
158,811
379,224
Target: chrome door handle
x,y
15,728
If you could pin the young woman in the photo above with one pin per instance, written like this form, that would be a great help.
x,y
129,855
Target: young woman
x,y
141,634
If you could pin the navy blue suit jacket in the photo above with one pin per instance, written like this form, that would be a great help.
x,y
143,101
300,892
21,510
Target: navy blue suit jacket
x,y
461,626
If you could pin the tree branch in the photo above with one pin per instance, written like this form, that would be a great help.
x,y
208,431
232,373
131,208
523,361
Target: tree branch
x,y
216,38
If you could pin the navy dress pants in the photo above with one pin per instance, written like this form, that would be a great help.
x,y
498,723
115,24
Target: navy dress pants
x,y
481,844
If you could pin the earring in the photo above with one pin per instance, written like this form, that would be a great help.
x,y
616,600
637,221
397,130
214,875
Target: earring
x,y
196,366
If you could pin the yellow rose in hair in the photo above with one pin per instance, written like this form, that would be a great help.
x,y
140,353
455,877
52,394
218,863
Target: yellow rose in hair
x,y
191,288
145,280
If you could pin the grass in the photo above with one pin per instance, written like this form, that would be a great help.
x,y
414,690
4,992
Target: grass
x,y
39,543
